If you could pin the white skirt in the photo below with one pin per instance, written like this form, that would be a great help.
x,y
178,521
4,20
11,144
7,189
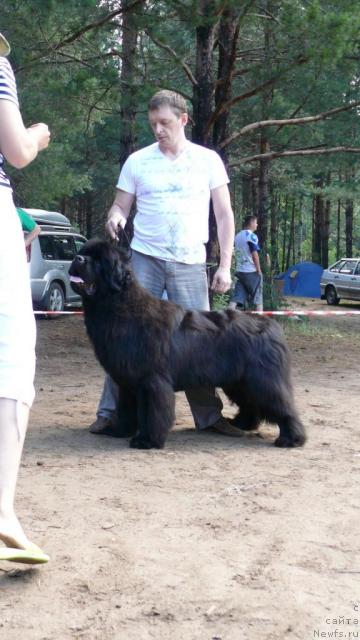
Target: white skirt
x,y
17,322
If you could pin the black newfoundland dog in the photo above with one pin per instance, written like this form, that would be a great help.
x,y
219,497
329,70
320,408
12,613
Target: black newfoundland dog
x,y
152,348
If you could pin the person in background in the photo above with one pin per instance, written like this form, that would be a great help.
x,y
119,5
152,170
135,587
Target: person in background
x,y
28,225
19,146
249,281
172,182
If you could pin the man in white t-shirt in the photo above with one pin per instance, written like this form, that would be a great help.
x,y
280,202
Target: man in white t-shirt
x,y
172,182
248,286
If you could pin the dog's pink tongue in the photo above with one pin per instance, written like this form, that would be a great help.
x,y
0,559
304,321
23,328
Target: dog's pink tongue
x,y
76,279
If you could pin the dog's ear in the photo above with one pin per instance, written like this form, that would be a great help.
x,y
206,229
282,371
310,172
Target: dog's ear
x,y
116,272
120,277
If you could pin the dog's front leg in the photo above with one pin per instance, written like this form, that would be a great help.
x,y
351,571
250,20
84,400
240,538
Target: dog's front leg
x,y
126,424
156,413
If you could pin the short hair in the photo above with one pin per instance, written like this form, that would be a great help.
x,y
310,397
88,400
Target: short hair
x,y
166,98
248,220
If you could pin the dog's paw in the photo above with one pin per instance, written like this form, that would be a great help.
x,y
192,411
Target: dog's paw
x,y
290,442
139,442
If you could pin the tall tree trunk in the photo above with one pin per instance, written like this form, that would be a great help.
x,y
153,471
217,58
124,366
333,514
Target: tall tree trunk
x,y
254,191
284,234
325,228
325,235
203,91
274,233
264,167
299,234
349,218
89,215
349,221
291,235
318,214
338,219
129,100
203,94
227,39
263,203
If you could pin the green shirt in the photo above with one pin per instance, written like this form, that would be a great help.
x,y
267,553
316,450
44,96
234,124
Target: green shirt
x,y
27,222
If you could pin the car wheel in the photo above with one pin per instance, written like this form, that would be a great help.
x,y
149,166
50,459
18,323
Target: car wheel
x,y
55,299
331,297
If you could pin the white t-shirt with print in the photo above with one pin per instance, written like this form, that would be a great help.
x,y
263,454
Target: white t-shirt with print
x,y
172,200
246,241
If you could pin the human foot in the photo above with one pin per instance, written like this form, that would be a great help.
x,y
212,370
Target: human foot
x,y
12,534
18,547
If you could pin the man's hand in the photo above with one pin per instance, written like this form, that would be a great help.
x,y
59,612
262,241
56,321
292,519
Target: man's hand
x,y
118,213
114,221
222,280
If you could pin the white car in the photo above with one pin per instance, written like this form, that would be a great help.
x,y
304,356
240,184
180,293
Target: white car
x,y
341,281
49,257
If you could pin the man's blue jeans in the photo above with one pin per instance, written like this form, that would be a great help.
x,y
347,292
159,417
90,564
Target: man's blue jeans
x,y
185,284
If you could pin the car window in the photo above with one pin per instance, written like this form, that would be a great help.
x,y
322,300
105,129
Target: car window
x,y
347,267
64,247
357,270
47,247
79,242
337,266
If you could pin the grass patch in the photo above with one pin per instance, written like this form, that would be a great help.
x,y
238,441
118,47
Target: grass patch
x,y
321,328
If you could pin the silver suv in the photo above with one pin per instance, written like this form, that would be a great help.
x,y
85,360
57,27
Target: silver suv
x,y
341,280
49,257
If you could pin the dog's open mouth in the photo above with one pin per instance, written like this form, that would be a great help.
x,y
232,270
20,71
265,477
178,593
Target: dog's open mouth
x,y
80,285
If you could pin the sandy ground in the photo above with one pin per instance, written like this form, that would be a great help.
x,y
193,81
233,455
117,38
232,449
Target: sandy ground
x,y
211,538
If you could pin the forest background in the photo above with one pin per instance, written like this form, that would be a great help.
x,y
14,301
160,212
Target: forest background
x,y
272,85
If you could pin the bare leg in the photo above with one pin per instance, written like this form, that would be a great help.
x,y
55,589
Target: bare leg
x,y
13,424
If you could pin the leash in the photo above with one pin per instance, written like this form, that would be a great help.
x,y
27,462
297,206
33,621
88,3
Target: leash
x,y
123,241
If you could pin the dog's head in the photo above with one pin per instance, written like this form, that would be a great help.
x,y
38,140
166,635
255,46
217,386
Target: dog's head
x,y
99,269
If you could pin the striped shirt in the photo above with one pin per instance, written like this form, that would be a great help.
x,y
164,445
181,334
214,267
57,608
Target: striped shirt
x,y
7,92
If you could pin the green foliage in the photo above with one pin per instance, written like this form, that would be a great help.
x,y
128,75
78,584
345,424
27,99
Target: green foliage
x,y
69,76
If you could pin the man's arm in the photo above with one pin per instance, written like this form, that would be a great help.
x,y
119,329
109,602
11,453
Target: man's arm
x,y
226,231
255,257
119,212
32,235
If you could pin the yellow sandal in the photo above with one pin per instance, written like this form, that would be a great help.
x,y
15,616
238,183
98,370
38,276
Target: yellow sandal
x,y
32,555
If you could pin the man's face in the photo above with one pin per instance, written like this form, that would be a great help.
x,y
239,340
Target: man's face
x,y
253,225
167,126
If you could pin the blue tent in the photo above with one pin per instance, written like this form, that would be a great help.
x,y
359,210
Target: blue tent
x,y
302,279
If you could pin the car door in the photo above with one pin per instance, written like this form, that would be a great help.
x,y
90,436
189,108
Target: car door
x,y
355,280
344,279
65,251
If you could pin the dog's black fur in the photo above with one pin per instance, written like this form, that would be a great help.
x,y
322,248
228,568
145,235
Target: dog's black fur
x,y
152,348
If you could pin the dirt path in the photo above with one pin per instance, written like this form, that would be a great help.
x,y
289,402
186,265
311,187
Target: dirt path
x,y
210,538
